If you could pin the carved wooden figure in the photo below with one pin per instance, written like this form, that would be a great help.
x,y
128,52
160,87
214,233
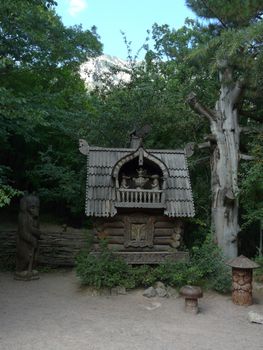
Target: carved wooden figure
x,y
242,275
28,235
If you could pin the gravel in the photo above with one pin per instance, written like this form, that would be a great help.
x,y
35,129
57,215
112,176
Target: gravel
x,y
55,313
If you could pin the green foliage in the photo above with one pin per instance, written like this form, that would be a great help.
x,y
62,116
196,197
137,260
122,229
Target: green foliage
x,y
7,192
33,35
229,14
106,270
205,267
209,262
251,189
43,102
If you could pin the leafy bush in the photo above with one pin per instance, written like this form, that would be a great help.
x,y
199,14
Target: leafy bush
x,y
210,267
205,267
104,270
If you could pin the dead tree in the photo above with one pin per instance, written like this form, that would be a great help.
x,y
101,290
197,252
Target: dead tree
x,y
224,142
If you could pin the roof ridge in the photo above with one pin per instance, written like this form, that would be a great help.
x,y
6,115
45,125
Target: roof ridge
x,y
109,149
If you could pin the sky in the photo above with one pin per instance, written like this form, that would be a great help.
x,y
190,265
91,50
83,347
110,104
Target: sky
x,y
134,18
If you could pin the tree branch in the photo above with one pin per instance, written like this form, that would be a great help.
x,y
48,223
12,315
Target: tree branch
x,y
246,156
197,107
213,12
204,145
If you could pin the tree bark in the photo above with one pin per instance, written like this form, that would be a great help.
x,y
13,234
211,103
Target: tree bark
x,y
224,161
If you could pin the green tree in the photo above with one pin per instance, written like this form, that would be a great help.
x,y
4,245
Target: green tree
x,y
43,103
220,61
235,51
156,96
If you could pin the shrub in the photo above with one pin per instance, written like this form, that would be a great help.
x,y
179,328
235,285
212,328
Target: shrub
x,y
104,270
209,263
205,267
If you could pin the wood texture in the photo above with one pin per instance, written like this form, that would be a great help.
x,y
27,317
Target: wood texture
x,y
225,146
59,248
55,249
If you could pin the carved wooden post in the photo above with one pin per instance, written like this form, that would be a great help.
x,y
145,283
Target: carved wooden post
x,y
28,236
242,275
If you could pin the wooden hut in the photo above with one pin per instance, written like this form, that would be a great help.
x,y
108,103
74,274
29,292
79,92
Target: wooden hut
x,y
138,199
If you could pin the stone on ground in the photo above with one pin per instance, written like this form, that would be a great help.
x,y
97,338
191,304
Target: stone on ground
x,y
254,317
149,292
161,292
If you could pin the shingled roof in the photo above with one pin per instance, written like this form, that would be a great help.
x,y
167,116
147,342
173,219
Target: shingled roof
x,y
101,192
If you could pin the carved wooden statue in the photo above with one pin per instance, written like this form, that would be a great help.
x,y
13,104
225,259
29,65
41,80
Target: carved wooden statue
x,y
242,286
242,275
142,178
27,238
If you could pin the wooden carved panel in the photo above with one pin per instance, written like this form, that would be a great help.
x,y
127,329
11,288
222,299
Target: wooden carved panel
x,y
138,231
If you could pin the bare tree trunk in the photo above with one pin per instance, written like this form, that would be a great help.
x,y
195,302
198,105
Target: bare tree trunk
x,y
224,161
224,166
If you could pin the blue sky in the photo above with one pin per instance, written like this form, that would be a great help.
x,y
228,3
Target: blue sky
x,y
131,17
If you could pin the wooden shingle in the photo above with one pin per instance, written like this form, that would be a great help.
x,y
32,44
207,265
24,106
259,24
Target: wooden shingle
x,y
101,192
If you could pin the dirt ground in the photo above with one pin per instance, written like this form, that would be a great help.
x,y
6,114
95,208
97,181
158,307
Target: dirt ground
x,y
54,313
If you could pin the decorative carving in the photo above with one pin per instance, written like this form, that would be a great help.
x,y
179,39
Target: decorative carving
x,y
242,286
242,271
155,183
175,240
141,180
27,238
124,182
151,257
83,147
177,235
138,231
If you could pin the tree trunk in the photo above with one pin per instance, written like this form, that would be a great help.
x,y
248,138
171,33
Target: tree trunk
x,y
224,161
224,167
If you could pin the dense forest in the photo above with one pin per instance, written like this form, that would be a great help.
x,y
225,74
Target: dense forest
x,y
211,66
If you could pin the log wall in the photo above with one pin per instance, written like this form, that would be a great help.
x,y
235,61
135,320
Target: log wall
x,y
167,233
59,247
56,248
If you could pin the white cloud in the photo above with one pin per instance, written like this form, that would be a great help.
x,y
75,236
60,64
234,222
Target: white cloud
x,y
76,6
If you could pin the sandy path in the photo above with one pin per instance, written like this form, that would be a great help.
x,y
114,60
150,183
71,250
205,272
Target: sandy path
x,y
55,314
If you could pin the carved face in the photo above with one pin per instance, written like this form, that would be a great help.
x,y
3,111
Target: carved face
x,y
33,209
242,277
32,205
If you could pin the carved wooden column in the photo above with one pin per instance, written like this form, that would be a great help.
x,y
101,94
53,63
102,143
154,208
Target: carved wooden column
x,y
242,275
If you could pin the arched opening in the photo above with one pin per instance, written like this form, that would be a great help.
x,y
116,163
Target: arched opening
x,y
134,176
140,180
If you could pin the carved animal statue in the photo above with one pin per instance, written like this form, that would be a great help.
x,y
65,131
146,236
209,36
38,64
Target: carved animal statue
x,y
28,235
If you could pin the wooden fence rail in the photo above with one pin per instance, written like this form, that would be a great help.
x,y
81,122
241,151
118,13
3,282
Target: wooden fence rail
x,y
55,249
